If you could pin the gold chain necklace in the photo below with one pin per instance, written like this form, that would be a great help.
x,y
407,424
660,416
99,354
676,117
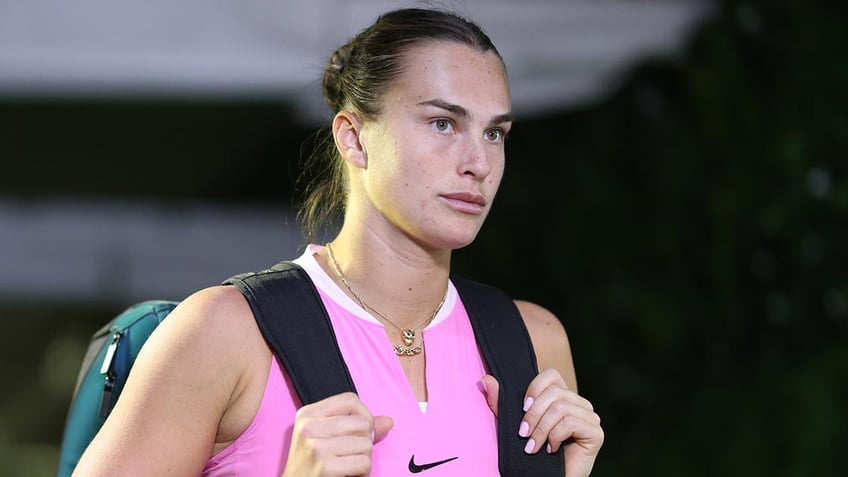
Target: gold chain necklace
x,y
407,335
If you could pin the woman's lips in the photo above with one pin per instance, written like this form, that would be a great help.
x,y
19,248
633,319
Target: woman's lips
x,y
466,202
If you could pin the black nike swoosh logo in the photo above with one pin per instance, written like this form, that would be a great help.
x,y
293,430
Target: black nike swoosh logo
x,y
416,468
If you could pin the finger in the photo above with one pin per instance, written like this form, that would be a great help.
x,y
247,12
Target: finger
x,y
535,405
357,464
549,417
382,425
337,405
561,424
332,426
551,437
492,388
339,446
545,379
551,378
580,454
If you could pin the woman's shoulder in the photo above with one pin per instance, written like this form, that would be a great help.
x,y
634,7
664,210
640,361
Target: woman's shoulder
x,y
197,372
218,312
211,341
541,321
213,327
222,306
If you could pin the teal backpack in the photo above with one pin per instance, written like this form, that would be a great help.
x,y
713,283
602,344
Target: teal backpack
x,y
294,322
111,353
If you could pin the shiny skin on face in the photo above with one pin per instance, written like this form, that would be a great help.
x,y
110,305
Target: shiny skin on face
x,y
435,153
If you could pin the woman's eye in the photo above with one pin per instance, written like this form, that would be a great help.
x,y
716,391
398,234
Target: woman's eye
x,y
442,125
494,135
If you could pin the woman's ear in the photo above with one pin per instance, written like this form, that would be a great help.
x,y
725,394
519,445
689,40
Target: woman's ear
x,y
347,128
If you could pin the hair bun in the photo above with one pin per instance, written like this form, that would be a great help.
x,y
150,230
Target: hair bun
x,y
334,77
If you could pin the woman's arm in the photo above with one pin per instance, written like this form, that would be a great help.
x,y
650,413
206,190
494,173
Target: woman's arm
x,y
549,340
187,375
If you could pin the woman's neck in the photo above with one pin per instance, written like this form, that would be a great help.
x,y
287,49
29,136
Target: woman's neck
x,y
397,277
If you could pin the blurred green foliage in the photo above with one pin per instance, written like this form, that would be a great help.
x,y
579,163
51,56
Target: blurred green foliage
x,y
41,348
690,241
686,230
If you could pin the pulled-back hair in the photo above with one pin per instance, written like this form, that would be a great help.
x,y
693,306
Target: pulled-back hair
x,y
358,75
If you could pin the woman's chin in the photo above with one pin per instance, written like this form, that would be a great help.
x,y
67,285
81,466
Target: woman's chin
x,y
452,239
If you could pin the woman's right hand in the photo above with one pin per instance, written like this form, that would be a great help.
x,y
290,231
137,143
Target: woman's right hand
x,y
334,437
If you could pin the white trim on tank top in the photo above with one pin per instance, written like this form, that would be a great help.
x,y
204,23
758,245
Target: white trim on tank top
x,y
327,285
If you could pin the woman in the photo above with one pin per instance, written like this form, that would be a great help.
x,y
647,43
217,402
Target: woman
x,y
422,108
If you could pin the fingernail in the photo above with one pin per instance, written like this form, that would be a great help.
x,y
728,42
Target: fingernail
x,y
550,451
524,429
372,435
527,403
531,445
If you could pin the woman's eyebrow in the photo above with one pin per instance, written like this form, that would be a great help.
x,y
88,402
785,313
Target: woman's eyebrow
x,y
501,118
442,104
460,111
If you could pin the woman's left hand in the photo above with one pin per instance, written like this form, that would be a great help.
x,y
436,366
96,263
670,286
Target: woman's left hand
x,y
556,416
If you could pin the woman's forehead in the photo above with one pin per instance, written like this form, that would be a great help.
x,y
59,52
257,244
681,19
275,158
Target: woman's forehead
x,y
454,72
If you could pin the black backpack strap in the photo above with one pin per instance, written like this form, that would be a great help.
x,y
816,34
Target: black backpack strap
x,y
295,324
505,343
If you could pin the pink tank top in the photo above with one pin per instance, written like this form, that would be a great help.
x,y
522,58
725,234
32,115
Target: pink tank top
x,y
457,432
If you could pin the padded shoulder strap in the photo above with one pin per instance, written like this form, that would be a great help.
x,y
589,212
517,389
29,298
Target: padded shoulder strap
x,y
508,351
295,324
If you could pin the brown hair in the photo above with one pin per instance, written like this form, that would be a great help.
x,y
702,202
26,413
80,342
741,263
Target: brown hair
x,y
357,76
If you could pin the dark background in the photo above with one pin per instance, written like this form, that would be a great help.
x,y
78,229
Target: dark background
x,y
688,229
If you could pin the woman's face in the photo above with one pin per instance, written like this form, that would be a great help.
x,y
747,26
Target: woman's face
x,y
435,153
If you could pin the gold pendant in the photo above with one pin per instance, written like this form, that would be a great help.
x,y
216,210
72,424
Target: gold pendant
x,y
408,337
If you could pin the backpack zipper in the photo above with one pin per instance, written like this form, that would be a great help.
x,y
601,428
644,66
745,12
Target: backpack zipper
x,y
108,370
